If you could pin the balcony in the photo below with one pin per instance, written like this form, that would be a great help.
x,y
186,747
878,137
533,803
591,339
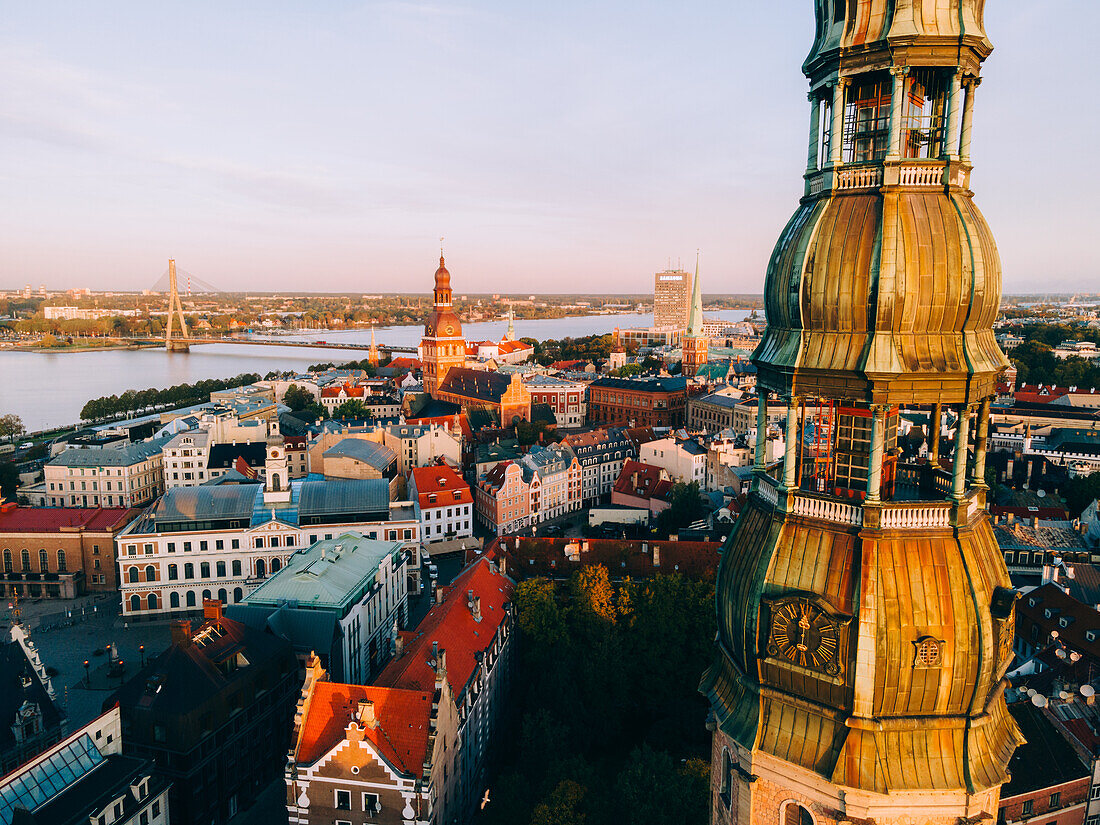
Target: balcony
x,y
909,173
915,506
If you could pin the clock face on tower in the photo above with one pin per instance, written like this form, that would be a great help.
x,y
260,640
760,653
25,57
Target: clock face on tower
x,y
803,634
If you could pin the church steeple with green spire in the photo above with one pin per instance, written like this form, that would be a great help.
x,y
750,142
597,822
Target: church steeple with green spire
x,y
695,344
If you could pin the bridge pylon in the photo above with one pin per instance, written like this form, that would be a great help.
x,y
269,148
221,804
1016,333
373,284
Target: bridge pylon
x,y
175,312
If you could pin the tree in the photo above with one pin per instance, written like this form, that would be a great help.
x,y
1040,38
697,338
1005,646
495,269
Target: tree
x,y
1080,492
9,481
11,427
563,806
352,409
684,508
540,618
593,593
297,398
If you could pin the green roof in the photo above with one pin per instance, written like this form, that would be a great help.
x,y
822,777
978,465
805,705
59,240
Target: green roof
x,y
331,574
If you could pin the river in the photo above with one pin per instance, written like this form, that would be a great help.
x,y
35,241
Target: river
x,y
48,389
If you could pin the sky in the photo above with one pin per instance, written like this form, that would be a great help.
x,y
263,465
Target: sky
x,y
557,147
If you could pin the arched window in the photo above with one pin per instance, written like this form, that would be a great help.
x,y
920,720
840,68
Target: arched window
x,y
261,569
726,792
25,558
190,600
205,595
223,597
173,572
276,484
221,569
238,594
204,570
236,567
174,600
61,566
7,561
132,575
276,565
43,560
189,571
795,814
153,601
135,602
150,573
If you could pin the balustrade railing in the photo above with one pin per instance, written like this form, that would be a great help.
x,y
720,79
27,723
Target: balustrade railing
x,y
768,491
916,515
920,175
859,177
826,509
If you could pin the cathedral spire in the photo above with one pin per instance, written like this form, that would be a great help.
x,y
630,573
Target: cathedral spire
x,y
510,335
695,314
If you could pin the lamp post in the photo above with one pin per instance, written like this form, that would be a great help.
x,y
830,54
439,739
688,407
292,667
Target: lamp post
x,y
142,650
87,677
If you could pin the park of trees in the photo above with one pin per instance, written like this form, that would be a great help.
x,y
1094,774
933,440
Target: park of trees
x,y
133,402
609,726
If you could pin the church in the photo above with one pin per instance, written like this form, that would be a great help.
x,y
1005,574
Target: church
x,y
865,613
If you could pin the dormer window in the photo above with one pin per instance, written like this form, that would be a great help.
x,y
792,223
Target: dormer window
x,y
1090,635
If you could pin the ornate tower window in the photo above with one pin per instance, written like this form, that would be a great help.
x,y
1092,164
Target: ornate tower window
x,y
925,118
867,118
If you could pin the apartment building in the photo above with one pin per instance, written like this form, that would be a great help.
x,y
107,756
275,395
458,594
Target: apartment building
x,y
567,398
130,475
601,454
443,503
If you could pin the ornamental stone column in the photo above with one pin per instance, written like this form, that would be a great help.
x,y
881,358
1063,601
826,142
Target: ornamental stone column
x,y
972,83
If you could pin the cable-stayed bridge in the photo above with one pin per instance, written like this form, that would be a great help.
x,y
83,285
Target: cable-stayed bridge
x,y
181,340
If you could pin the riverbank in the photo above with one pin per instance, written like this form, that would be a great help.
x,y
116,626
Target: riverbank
x,y
48,388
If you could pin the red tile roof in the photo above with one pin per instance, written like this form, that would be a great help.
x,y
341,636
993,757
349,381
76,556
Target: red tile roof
x,y
436,479
401,736
567,365
56,519
347,389
1039,393
404,363
642,481
452,625
451,422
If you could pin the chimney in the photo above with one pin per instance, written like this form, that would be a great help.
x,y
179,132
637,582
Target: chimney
x,y
435,653
503,565
477,608
212,610
1035,521
366,714
398,646
181,632
656,556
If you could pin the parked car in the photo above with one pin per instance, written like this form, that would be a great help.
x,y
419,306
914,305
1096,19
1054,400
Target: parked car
x,y
26,445
433,571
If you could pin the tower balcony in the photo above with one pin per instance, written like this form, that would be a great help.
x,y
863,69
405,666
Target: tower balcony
x,y
909,174
921,502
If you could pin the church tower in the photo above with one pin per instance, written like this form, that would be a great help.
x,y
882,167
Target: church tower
x,y
865,615
443,346
694,345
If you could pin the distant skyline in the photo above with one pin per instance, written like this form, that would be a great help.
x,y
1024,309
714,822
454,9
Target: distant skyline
x,y
566,147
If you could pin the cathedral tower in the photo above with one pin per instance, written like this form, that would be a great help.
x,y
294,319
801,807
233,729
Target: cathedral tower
x,y
865,615
443,346
694,345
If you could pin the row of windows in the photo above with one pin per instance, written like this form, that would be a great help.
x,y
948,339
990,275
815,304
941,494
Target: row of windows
x,y
220,570
43,561
190,599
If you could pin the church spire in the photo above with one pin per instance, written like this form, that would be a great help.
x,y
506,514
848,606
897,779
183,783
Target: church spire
x,y
510,335
695,314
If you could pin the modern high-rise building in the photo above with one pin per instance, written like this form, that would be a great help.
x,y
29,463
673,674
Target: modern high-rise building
x,y
671,298
865,615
